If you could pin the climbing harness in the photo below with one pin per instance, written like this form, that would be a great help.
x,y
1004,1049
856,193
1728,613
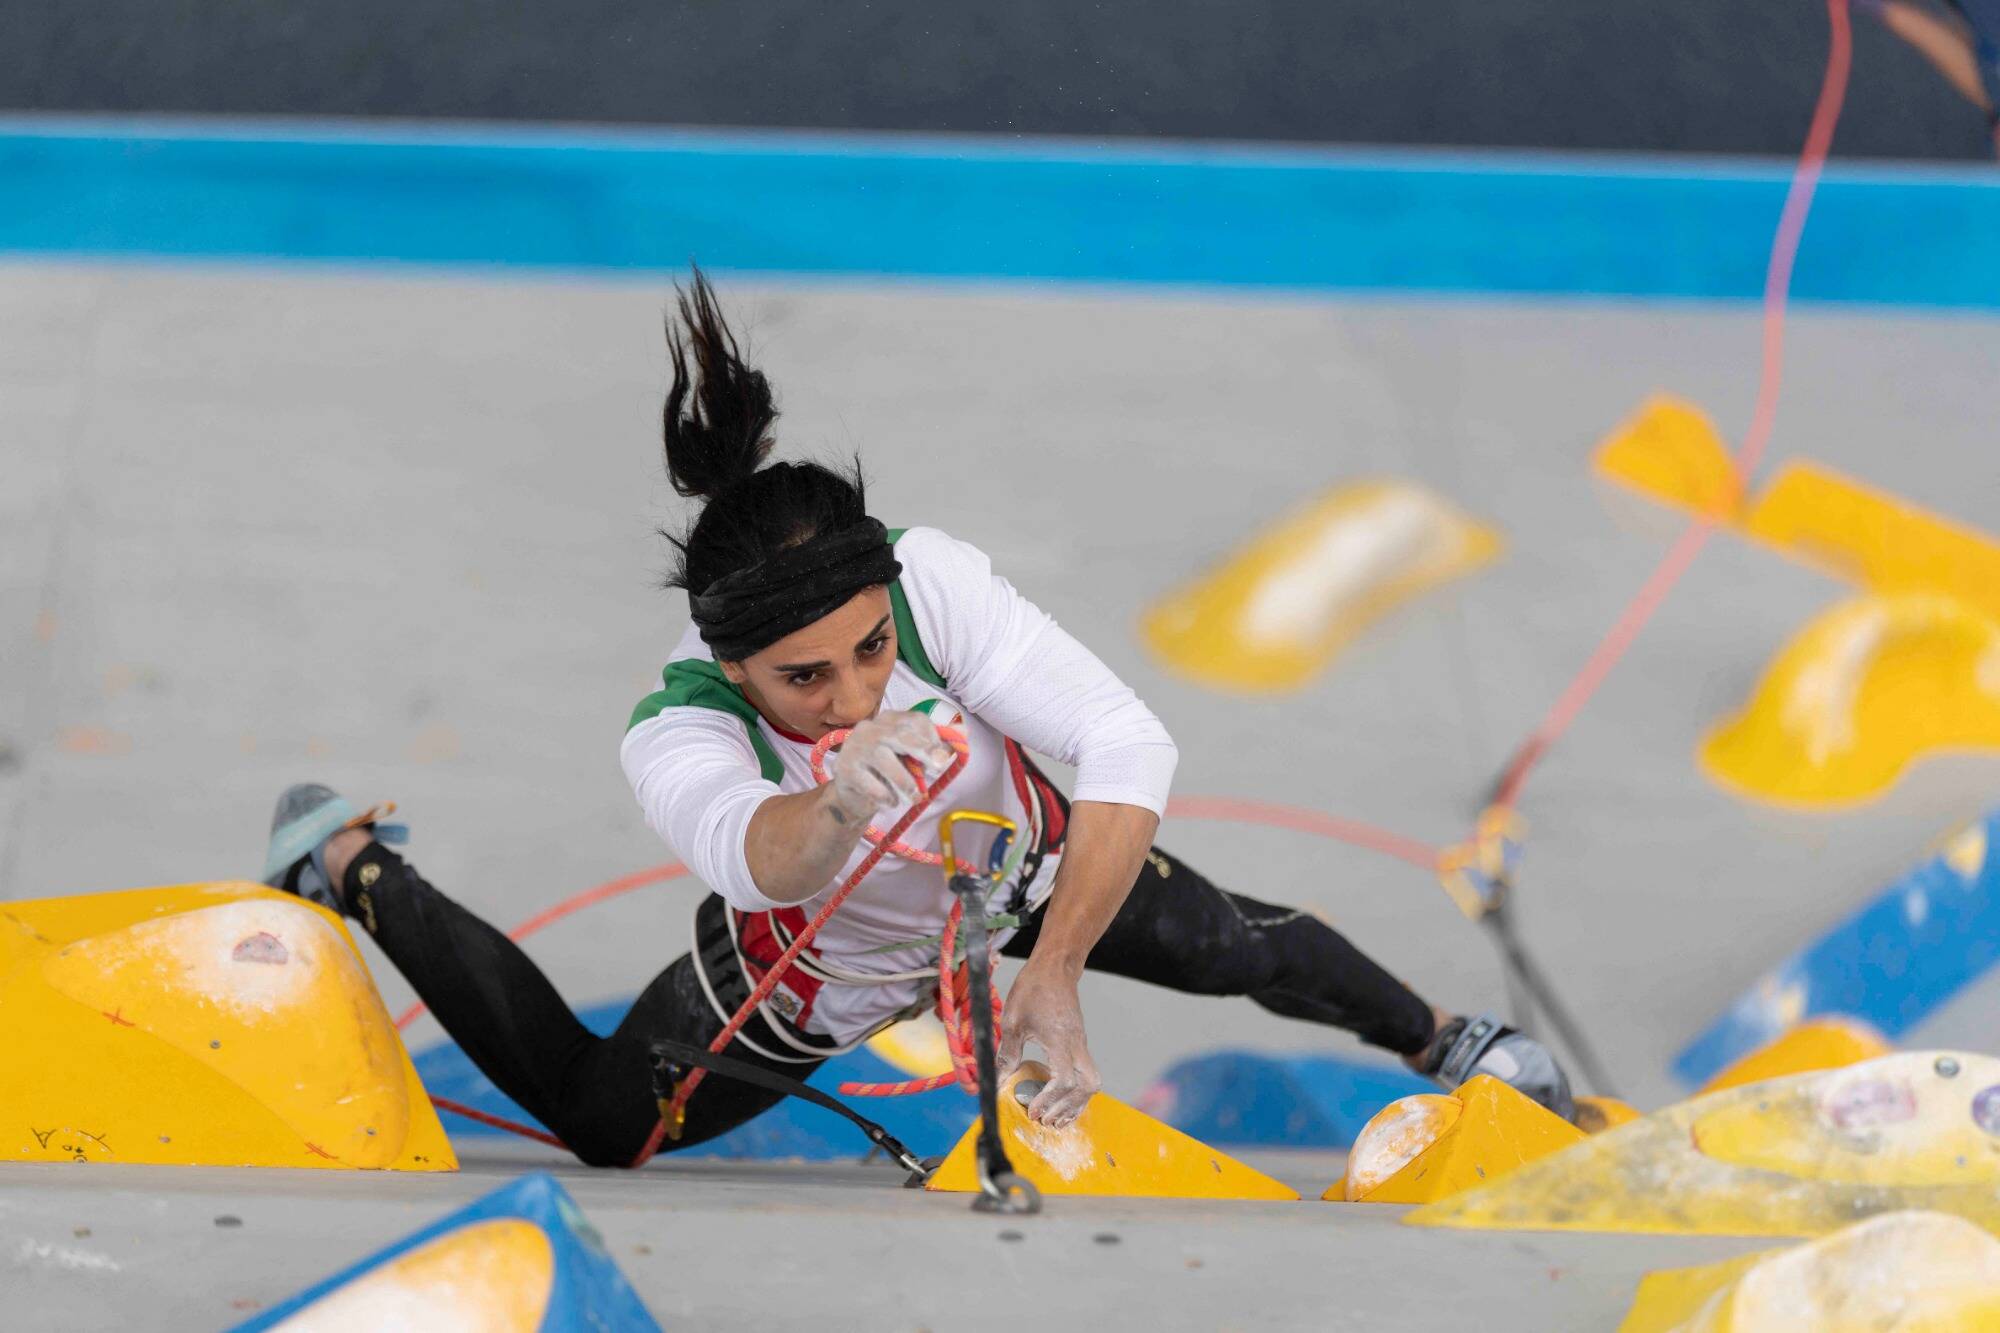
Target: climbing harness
x,y
973,1037
673,1109
972,1018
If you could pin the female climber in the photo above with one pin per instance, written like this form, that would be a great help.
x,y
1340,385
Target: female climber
x,y
809,619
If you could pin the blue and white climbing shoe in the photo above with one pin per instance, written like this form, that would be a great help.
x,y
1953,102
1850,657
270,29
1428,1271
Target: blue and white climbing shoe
x,y
1484,1045
308,815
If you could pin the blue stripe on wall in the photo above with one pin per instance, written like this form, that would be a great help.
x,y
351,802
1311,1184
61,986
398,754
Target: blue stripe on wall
x,y
1894,962
929,207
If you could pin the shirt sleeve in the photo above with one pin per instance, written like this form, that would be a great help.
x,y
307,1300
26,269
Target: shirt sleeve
x,y
698,784
1008,661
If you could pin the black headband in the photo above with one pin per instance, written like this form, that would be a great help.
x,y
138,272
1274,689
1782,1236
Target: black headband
x,y
748,611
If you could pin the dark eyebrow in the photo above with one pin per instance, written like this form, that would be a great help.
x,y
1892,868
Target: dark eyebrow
x,y
792,668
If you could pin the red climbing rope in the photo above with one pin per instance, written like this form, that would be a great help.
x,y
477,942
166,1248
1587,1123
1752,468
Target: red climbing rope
x,y
677,1108
499,1122
956,1017
1300,820
1777,293
955,1012
824,746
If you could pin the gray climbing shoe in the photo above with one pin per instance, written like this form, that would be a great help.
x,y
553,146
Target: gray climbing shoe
x,y
309,814
1484,1045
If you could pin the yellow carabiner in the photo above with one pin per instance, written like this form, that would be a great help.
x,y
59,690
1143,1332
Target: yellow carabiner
x,y
951,818
672,1114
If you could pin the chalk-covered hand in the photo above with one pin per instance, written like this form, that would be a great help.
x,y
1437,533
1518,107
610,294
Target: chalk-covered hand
x,y
870,771
1043,1008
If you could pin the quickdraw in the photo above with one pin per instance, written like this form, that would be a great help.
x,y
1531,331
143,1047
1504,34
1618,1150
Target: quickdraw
x,y
971,1014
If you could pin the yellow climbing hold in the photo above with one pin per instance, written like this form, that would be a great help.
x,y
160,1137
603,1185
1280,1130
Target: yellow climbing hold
x,y
1876,682
1111,1149
1275,613
1594,1115
494,1277
1873,539
1671,452
1858,695
1392,1138
1901,1272
1495,1131
204,1024
1827,1042
1795,1156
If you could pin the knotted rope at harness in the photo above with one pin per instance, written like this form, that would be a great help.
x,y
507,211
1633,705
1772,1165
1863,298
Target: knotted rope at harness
x,y
953,1006
673,1112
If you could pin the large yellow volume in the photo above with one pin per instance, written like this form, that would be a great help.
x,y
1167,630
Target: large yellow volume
x,y
1670,452
1794,1156
1827,1042
1111,1149
1858,695
1902,1272
1275,613
204,1024
1872,538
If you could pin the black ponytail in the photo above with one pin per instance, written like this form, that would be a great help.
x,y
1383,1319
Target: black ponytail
x,y
717,428
718,418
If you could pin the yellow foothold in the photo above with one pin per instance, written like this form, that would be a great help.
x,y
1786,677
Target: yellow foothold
x,y
1912,1272
1829,1042
204,1024
1279,609
493,1276
1111,1149
1794,1156
1873,539
1594,1115
1670,451
1858,695
1392,1138
1495,1132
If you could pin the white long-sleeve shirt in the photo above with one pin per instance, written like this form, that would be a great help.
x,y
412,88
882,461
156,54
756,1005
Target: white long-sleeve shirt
x,y
1010,671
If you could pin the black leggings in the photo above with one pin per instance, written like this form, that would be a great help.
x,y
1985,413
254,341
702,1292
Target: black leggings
x,y
596,1093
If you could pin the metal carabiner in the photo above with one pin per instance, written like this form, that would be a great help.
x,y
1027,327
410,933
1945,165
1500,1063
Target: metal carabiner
x,y
1001,1188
